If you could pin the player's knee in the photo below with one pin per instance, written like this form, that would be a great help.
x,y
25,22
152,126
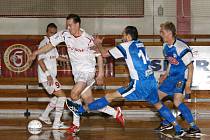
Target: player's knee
x,y
177,102
74,96
59,93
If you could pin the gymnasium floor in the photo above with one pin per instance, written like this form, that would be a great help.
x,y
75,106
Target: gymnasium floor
x,y
98,128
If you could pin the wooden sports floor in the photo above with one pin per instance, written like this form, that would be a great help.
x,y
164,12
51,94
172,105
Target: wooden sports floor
x,y
98,128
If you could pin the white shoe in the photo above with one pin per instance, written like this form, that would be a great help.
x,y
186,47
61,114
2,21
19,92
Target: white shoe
x,y
45,120
59,125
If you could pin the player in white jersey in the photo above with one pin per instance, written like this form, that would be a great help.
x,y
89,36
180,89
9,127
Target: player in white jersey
x,y
47,72
83,62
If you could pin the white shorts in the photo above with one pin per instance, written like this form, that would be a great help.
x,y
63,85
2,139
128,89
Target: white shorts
x,y
87,77
51,89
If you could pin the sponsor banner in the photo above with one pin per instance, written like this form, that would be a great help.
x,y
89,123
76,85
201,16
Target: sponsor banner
x,y
15,58
201,76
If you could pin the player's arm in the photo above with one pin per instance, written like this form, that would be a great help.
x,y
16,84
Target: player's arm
x,y
100,76
41,50
187,59
54,41
190,68
98,43
164,75
45,70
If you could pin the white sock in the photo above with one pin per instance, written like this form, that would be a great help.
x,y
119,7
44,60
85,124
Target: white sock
x,y
109,110
76,119
50,107
59,109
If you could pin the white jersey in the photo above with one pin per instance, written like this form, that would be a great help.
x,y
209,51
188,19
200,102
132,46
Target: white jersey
x,y
81,57
49,60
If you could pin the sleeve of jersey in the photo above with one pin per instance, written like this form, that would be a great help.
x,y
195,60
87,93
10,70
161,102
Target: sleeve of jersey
x,y
187,58
57,38
116,53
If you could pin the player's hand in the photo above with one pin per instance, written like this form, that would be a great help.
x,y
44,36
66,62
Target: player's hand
x,y
32,57
162,78
50,80
100,80
97,40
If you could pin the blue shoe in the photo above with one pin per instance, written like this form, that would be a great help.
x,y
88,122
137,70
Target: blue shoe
x,y
74,108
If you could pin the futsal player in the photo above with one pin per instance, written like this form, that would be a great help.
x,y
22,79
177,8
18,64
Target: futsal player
x,y
47,72
142,80
179,74
83,63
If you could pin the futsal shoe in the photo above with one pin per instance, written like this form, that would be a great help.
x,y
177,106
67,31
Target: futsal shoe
x,y
59,125
73,129
163,127
73,107
119,117
194,131
45,120
180,134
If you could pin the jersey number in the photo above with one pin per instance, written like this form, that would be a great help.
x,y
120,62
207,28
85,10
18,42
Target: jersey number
x,y
144,58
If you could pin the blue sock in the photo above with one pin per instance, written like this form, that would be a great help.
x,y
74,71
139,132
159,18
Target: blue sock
x,y
187,114
98,104
166,114
81,109
165,122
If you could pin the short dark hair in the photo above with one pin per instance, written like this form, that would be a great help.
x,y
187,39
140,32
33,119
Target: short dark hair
x,y
171,27
132,31
76,18
51,25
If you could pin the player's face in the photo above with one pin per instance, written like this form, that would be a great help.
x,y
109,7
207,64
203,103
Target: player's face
x,y
51,32
125,37
72,26
166,35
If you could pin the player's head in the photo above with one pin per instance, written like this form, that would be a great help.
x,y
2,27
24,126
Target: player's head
x,y
169,31
73,22
51,29
130,33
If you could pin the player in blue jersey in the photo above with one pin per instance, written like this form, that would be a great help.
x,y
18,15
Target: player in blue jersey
x,y
142,81
178,76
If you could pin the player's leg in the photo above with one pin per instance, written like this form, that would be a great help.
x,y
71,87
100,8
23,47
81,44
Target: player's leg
x,y
45,115
165,124
88,98
178,101
95,105
75,97
57,124
55,89
153,98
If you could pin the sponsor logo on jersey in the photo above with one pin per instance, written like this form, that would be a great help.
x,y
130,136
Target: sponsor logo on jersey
x,y
16,58
172,60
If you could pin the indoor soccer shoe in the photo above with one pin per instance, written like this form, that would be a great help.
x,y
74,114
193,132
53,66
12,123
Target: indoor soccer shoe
x,y
45,120
180,134
193,131
119,117
59,125
73,129
163,127
73,107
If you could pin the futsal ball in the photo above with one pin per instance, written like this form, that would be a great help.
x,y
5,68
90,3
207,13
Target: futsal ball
x,y
34,127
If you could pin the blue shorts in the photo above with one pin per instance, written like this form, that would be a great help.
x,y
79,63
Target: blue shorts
x,y
173,85
141,90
